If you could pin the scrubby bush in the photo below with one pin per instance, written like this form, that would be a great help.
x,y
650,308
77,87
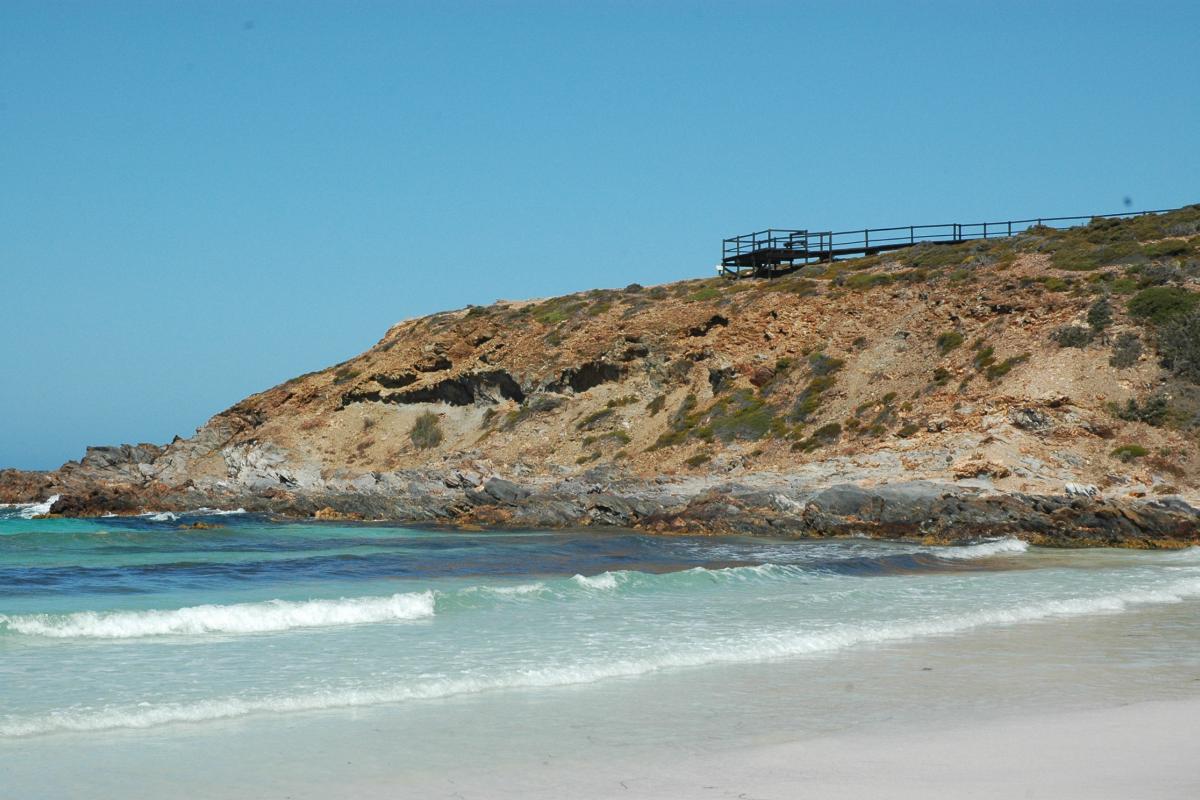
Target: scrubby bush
x,y
1158,275
1072,336
1179,345
1099,315
1160,304
1152,411
949,341
426,431
862,281
1166,248
809,399
741,415
823,365
824,435
1127,349
1130,452
704,294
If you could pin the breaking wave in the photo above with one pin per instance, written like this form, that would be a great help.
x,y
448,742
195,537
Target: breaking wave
x,y
1008,546
747,648
27,510
265,617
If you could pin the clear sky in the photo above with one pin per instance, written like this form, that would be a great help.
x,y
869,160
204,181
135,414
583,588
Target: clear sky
x,y
199,200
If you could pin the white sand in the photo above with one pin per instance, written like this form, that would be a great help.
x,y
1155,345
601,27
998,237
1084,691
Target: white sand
x,y
1147,750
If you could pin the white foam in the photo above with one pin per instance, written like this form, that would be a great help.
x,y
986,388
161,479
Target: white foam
x,y
1008,546
272,615
31,510
752,647
512,591
605,581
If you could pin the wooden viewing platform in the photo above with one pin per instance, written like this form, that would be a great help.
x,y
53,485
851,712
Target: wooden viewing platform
x,y
777,251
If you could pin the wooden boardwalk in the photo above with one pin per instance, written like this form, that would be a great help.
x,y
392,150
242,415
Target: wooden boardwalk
x,y
777,251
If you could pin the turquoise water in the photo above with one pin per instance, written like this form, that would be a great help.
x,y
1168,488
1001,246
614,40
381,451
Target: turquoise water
x,y
134,627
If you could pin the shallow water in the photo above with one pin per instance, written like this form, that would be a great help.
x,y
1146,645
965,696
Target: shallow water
x,y
310,645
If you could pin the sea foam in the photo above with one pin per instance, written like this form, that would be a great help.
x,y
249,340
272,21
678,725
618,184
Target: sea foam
x,y
28,510
265,617
748,648
997,547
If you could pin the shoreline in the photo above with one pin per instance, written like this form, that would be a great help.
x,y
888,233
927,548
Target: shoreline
x,y
763,504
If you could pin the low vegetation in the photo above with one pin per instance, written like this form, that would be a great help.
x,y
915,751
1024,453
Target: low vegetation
x,y
1130,452
426,431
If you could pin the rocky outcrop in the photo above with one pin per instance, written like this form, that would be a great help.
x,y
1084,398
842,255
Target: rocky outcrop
x,y
902,395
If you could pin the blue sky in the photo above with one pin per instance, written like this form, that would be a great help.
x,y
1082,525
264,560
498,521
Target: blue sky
x,y
201,199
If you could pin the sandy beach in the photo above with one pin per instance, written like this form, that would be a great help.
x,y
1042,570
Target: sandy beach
x,y
1144,750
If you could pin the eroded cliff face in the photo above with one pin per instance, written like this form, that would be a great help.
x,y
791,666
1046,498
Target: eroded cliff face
x,y
982,370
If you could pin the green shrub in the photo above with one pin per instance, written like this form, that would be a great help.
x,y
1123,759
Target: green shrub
x,y
1130,452
1167,248
596,416
1127,349
740,415
949,341
908,430
809,399
1072,336
707,293
426,431
1152,411
698,459
995,372
656,405
1099,315
824,435
345,375
985,356
1179,345
1159,304
862,281
617,402
823,365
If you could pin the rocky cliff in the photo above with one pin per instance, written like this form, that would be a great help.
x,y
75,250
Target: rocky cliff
x,y
1046,385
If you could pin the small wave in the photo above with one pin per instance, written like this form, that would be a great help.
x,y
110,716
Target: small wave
x,y
27,510
172,516
508,591
743,649
605,581
996,547
265,617
1189,555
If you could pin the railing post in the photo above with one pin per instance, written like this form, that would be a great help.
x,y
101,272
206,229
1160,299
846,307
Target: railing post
x,y
985,230
910,235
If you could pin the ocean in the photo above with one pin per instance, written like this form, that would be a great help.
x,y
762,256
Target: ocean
x,y
254,658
